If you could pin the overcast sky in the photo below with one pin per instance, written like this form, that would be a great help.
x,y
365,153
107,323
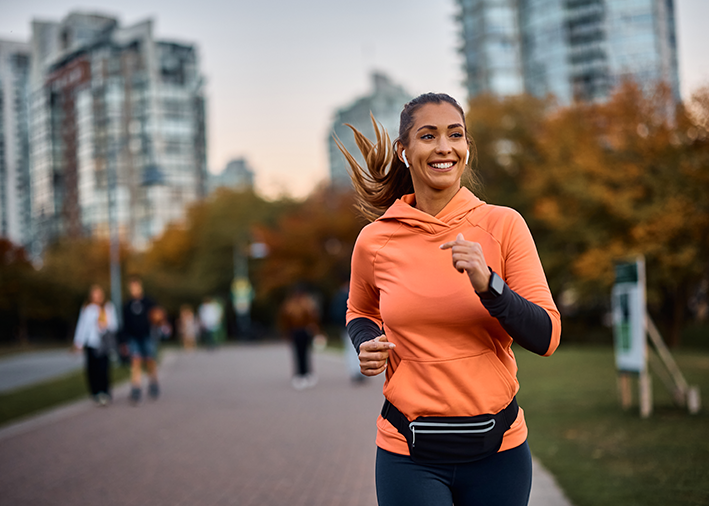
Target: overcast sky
x,y
277,70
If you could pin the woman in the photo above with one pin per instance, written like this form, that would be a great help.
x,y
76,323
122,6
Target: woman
x,y
442,284
94,331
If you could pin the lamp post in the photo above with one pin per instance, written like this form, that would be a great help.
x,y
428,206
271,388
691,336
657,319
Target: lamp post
x,y
112,180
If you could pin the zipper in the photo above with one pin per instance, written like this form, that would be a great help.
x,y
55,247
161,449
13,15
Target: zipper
x,y
450,428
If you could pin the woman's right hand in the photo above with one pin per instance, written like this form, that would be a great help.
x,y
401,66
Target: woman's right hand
x,y
373,355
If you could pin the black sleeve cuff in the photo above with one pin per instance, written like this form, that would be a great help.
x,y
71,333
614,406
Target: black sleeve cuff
x,y
526,322
361,330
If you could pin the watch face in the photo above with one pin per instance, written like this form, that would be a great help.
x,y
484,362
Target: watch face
x,y
496,284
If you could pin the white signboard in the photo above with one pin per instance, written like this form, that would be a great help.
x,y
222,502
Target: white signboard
x,y
629,316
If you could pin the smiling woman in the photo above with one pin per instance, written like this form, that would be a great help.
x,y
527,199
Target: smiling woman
x,y
442,284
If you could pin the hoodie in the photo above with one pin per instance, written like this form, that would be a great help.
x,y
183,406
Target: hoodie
x,y
452,357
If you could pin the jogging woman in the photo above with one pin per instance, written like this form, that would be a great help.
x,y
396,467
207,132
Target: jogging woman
x,y
442,285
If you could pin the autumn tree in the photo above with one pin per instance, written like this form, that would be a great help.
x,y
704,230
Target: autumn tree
x,y
311,244
601,183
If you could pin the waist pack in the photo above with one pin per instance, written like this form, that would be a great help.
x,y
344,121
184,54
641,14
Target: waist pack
x,y
452,439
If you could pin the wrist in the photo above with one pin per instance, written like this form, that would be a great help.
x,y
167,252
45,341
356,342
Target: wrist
x,y
495,287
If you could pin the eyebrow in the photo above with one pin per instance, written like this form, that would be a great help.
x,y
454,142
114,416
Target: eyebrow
x,y
432,127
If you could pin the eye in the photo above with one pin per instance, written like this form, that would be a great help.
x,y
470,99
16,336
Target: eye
x,y
427,136
457,135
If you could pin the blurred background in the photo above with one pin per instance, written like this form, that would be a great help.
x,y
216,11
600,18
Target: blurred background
x,y
191,144
203,138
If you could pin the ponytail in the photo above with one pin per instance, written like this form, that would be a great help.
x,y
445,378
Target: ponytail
x,y
385,178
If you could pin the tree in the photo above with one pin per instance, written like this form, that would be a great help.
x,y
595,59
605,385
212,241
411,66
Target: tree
x,y
601,183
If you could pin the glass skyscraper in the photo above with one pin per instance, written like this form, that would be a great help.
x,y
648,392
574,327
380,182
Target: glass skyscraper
x,y
111,99
14,142
385,102
573,49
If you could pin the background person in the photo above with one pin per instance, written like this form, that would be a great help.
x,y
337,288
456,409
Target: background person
x,y
143,349
210,319
299,318
442,284
338,314
187,327
94,334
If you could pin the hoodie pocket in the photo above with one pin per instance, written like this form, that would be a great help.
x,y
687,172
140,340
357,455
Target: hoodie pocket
x,y
466,386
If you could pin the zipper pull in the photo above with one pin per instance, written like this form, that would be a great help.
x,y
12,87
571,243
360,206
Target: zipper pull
x,y
413,431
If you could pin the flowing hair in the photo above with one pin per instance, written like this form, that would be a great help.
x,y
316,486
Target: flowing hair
x,y
385,177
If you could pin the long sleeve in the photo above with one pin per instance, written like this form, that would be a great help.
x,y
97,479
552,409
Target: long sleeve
x,y
362,330
526,299
364,321
527,323
82,332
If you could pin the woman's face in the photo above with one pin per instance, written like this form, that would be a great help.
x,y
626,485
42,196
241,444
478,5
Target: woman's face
x,y
97,296
437,147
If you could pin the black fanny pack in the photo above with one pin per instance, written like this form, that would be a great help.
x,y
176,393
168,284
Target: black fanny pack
x,y
452,439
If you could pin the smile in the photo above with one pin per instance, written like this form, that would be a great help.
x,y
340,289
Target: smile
x,y
442,166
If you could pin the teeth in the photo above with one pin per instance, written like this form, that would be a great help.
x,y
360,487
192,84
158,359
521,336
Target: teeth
x,y
447,165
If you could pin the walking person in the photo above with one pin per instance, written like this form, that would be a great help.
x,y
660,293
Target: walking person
x,y
95,332
210,319
299,318
143,348
339,315
187,327
442,284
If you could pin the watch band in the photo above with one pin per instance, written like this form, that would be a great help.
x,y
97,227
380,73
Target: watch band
x,y
495,287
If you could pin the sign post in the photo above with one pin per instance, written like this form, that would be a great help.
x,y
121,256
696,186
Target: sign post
x,y
629,331
631,327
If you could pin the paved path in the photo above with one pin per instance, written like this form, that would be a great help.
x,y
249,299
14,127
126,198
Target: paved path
x,y
24,369
228,429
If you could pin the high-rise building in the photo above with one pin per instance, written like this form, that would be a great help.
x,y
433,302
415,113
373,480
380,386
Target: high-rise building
x,y
385,102
112,100
573,49
14,142
237,175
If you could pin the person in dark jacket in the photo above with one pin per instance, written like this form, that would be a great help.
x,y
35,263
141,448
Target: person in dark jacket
x,y
143,349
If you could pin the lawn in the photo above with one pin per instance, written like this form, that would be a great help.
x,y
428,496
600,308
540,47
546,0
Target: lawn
x,y
31,399
601,455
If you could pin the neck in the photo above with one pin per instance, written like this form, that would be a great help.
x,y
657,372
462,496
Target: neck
x,y
433,201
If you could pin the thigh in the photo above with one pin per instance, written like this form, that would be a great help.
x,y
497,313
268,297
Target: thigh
x,y
503,479
402,482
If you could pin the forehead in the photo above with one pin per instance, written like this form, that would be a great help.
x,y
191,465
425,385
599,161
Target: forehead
x,y
439,115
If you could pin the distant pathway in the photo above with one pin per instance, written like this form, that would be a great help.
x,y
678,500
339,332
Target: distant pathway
x,y
228,430
24,369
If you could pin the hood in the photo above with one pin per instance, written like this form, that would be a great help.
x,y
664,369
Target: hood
x,y
403,211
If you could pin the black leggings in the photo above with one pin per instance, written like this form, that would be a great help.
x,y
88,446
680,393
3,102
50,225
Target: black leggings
x,y
97,372
502,479
301,342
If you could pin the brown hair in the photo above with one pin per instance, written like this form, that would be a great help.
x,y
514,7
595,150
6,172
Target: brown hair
x,y
386,178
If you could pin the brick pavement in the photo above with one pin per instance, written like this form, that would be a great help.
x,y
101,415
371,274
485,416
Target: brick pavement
x,y
228,430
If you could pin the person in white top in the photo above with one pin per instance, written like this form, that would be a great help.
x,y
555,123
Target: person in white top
x,y
210,318
96,326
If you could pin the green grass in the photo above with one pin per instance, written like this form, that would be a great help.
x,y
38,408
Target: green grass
x,y
34,398
601,455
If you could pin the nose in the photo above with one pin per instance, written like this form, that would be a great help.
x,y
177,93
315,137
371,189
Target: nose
x,y
444,145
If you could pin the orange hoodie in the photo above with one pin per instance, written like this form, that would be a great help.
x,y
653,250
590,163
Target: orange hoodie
x,y
451,357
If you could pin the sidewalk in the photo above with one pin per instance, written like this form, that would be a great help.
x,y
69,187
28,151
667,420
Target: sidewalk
x,y
31,367
228,429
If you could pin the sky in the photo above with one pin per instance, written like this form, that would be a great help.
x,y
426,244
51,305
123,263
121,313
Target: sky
x,y
276,71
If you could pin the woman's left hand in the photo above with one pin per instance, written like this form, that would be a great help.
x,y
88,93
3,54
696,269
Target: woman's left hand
x,y
468,257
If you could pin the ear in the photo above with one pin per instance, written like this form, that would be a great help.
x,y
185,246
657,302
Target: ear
x,y
399,152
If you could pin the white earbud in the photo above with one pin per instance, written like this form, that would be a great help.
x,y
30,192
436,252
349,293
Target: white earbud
x,y
467,157
403,155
